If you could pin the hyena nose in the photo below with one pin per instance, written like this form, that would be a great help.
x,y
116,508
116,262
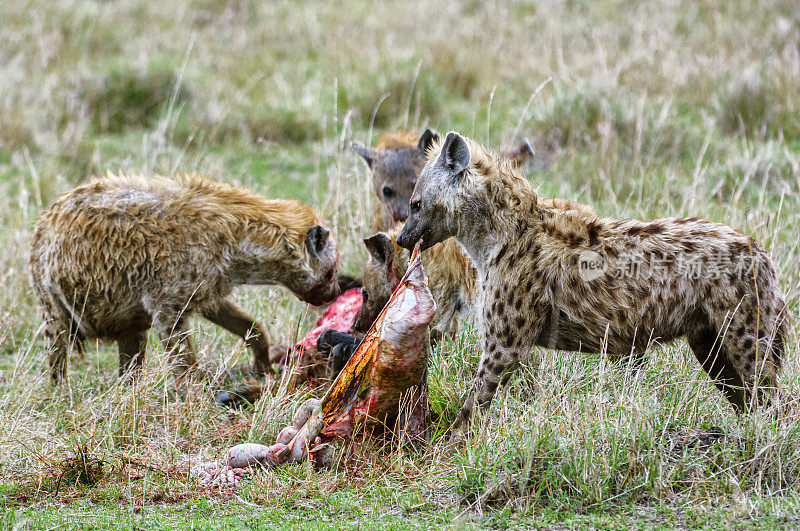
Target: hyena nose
x,y
401,213
405,239
401,240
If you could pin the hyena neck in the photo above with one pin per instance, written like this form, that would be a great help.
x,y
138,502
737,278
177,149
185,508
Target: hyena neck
x,y
249,263
486,230
482,237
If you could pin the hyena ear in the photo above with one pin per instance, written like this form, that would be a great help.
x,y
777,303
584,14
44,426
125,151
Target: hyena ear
x,y
317,239
368,154
455,153
427,139
380,248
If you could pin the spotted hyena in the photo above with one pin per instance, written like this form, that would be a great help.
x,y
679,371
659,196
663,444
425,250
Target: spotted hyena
x,y
451,275
395,164
114,257
570,280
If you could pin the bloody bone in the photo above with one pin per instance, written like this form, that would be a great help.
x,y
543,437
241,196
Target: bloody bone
x,y
385,373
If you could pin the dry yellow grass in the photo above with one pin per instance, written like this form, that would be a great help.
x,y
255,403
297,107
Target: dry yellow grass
x,y
662,108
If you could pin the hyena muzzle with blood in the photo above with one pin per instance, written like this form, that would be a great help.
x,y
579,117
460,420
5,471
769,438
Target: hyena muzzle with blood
x,y
570,280
112,258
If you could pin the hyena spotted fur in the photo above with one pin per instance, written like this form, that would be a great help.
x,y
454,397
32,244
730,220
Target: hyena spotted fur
x,y
533,290
451,275
112,258
395,163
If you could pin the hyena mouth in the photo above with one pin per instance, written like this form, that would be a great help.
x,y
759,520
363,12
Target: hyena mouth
x,y
424,241
324,294
407,241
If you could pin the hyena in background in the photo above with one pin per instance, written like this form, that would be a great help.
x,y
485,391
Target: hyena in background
x,y
656,281
114,257
451,275
395,164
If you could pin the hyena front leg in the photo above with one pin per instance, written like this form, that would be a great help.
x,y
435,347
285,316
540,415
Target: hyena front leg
x,y
131,347
500,358
231,317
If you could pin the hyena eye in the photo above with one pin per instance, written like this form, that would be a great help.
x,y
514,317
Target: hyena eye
x,y
416,205
364,295
388,193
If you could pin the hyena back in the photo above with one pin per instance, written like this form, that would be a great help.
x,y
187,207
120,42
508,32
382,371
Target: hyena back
x,y
570,280
114,257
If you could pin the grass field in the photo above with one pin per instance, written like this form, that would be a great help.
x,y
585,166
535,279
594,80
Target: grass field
x,y
649,110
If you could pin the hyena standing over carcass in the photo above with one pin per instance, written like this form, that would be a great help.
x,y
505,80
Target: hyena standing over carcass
x,y
114,257
695,279
396,163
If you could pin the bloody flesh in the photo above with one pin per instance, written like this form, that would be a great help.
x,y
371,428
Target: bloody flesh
x,y
386,372
339,315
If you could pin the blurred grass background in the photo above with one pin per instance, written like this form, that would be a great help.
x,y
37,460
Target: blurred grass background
x,y
641,110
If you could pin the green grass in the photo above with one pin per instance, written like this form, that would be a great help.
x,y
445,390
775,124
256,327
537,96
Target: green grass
x,y
656,110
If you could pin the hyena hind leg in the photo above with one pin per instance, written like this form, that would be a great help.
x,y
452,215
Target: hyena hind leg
x,y
131,346
174,335
708,348
755,354
60,335
57,348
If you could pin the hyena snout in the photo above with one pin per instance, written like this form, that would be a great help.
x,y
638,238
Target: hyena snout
x,y
323,294
365,318
412,232
373,303
398,208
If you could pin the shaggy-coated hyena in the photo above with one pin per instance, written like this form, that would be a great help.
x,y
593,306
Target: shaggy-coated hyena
x,y
569,280
451,275
395,164
114,257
